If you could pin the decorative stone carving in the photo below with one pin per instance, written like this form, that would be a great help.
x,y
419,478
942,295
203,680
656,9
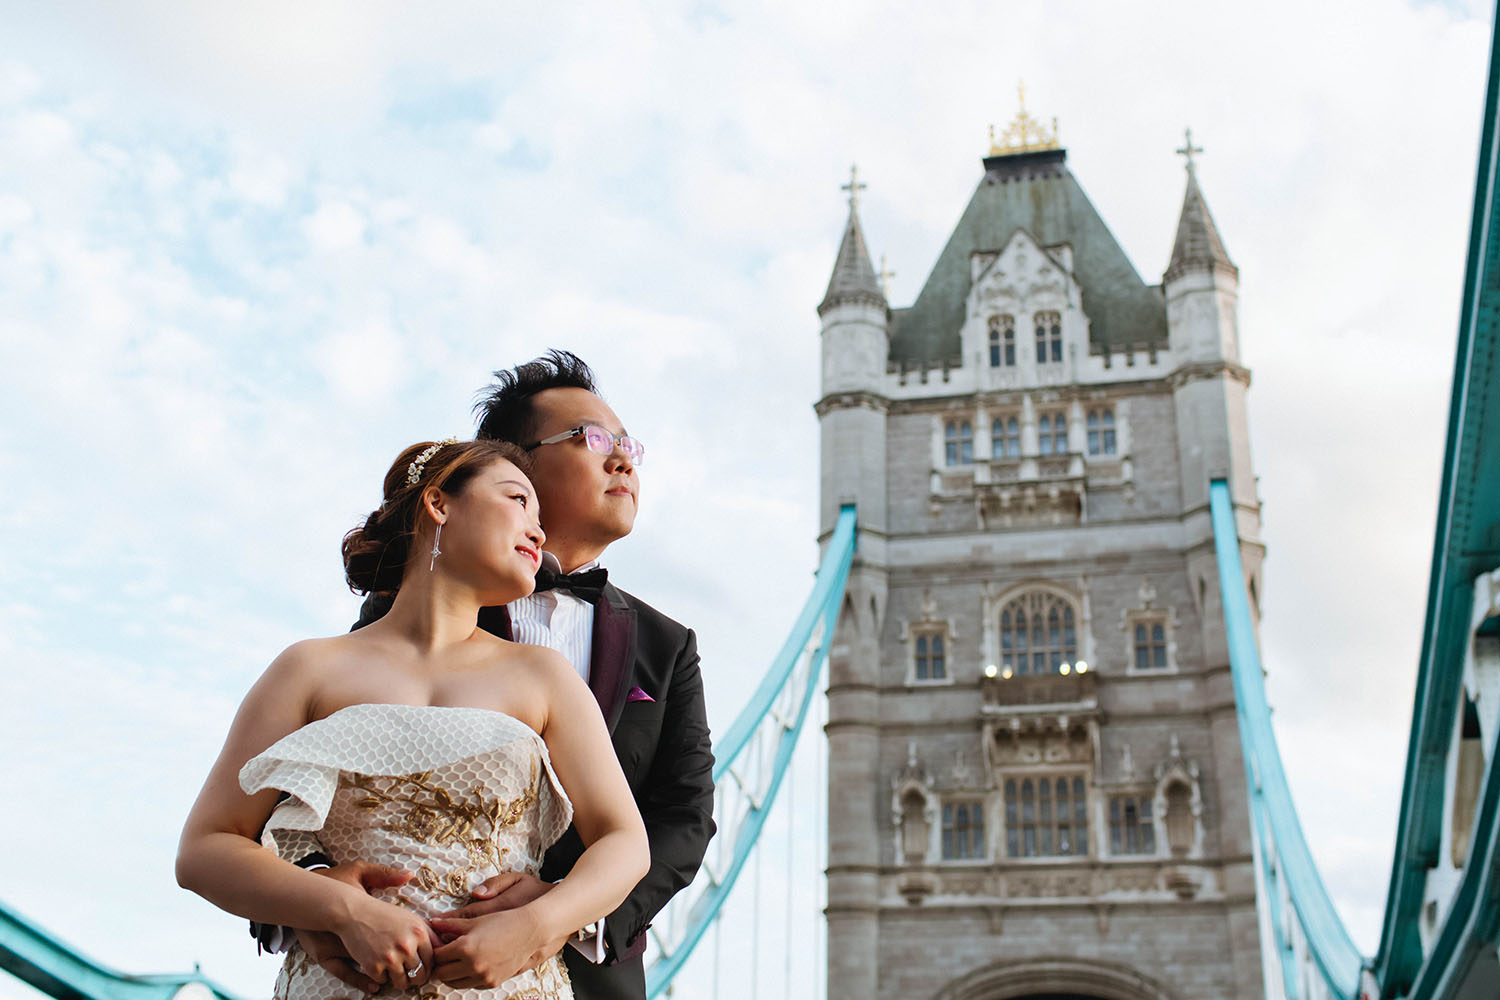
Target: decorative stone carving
x,y
914,810
1178,807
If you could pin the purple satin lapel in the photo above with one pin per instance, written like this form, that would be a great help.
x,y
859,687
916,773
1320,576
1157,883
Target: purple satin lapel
x,y
496,621
609,669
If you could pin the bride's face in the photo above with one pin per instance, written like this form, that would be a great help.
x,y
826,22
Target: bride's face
x,y
491,537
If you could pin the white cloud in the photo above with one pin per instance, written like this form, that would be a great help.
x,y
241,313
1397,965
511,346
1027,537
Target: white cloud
x,y
334,226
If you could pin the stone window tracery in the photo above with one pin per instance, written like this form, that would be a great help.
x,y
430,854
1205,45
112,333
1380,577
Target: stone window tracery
x,y
928,661
1052,433
1048,338
1131,828
958,442
1038,634
1002,341
963,830
1150,634
1150,645
1046,817
1100,423
929,641
1005,438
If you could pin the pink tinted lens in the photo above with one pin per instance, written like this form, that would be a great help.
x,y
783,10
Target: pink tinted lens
x,y
599,440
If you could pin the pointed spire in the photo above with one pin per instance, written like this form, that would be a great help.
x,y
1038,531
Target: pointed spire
x,y
853,275
1198,246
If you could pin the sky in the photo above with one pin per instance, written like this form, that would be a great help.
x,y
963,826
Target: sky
x,y
249,252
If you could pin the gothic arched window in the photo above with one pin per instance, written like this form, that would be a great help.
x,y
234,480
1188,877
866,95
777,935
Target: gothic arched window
x,y
1002,341
930,664
1038,634
963,830
958,442
1005,437
1101,427
1048,338
1150,645
1046,817
1131,830
1052,434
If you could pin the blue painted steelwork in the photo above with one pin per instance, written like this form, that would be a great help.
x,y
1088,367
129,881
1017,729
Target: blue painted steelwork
x,y
1283,852
815,624
1467,544
36,957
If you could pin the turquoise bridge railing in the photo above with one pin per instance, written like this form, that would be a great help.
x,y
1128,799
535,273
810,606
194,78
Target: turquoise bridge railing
x,y
1304,928
752,759
36,957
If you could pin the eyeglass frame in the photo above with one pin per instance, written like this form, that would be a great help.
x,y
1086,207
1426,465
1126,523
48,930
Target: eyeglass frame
x,y
616,441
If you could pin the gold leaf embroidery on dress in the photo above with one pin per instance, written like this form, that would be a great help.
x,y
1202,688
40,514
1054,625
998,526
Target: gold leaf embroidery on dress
x,y
432,815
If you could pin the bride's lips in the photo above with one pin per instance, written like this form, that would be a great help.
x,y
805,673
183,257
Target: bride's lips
x,y
530,553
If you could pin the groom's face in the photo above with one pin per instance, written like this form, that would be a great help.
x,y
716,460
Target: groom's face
x,y
586,498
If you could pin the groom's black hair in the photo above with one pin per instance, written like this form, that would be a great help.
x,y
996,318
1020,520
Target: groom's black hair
x,y
505,406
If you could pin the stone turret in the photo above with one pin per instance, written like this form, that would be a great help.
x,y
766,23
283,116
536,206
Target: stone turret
x,y
1201,283
856,344
852,414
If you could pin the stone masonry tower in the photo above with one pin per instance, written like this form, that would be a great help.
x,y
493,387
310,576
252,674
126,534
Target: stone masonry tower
x,y
1035,780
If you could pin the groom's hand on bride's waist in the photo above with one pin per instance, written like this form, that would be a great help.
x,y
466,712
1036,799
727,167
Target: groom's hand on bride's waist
x,y
326,949
503,892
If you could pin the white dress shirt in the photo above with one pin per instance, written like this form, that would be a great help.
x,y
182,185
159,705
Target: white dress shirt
x,y
560,620
557,619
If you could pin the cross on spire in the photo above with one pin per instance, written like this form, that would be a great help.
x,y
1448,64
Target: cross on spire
x,y
885,276
854,187
1188,150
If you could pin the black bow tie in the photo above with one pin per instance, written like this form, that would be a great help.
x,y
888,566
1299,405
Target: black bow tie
x,y
586,586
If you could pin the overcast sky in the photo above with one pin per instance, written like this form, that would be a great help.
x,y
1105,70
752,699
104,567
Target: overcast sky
x,y
249,252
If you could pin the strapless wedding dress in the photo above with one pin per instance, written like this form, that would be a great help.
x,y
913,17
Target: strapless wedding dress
x,y
453,795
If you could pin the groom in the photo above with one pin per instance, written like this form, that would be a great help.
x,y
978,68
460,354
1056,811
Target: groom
x,y
641,666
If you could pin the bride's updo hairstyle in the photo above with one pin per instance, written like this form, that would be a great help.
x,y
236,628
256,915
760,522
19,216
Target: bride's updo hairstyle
x,y
377,551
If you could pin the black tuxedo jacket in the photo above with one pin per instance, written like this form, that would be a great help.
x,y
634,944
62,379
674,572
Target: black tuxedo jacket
x,y
662,742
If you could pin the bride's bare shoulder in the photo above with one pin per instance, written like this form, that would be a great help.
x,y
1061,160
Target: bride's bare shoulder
x,y
308,659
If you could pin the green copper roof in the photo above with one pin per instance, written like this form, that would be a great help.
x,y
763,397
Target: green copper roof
x,y
1035,192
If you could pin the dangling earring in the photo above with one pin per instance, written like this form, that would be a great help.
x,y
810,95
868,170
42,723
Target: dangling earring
x,y
436,535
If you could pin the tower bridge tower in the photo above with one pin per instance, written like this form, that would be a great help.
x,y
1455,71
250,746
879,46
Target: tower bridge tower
x,y
1035,780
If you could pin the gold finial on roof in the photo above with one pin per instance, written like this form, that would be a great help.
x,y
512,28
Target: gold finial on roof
x,y
1024,134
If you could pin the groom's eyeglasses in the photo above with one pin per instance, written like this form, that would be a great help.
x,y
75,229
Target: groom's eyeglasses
x,y
600,442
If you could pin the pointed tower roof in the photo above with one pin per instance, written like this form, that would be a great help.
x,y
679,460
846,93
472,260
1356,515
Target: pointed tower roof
x,y
853,276
1198,246
1031,190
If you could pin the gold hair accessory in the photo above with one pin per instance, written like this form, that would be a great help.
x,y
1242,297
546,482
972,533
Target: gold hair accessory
x,y
414,470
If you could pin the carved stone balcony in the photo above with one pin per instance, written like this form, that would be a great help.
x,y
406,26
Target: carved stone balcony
x,y
1040,719
1027,693
1022,491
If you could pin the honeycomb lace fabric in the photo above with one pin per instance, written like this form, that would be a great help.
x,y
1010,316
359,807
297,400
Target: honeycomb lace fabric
x,y
453,795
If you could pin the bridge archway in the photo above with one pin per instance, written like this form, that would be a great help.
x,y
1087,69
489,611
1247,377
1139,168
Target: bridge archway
x,y
1057,978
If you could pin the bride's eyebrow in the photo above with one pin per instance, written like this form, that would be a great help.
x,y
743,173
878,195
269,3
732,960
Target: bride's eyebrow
x,y
514,482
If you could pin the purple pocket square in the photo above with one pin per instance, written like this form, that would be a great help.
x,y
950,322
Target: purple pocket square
x,y
636,694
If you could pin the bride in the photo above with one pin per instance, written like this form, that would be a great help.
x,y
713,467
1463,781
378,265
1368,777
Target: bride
x,y
425,743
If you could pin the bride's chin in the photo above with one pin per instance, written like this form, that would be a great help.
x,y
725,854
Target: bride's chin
x,y
511,588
